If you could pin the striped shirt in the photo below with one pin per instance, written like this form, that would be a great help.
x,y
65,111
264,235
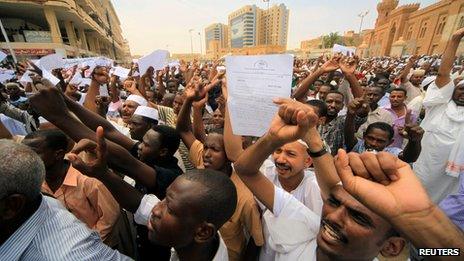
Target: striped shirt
x,y
53,233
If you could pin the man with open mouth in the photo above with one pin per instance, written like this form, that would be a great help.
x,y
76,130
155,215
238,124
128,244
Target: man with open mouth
x,y
355,223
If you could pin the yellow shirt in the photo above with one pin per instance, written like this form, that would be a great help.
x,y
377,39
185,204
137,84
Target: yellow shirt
x,y
89,200
245,218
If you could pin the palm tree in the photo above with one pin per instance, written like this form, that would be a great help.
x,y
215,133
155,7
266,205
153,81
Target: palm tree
x,y
331,39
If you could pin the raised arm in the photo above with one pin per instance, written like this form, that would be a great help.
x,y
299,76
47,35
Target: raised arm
x,y
399,198
413,149
350,125
93,120
232,142
99,76
405,72
291,123
50,104
348,67
324,166
198,126
128,197
447,61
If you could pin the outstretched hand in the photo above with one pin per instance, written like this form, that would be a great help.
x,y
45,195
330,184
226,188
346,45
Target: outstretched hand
x,y
96,168
383,183
292,122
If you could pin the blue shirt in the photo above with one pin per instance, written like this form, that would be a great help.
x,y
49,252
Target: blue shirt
x,y
53,233
360,148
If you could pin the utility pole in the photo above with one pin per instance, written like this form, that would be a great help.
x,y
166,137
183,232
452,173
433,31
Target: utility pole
x,y
362,15
8,42
201,44
111,34
191,41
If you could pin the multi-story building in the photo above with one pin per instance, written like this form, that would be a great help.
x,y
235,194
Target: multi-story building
x,y
73,28
217,32
407,29
251,30
273,25
243,25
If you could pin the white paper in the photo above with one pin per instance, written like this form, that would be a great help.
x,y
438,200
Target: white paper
x,y
26,78
253,82
76,79
121,71
174,64
2,56
5,77
85,81
51,61
47,75
156,59
104,90
343,49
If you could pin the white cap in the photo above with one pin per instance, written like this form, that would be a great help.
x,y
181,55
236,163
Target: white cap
x,y
428,80
148,112
138,99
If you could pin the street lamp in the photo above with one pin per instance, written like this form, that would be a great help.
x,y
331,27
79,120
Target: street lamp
x,y
191,41
201,44
362,15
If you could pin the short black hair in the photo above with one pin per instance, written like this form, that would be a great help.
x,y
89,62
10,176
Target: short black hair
x,y
382,126
169,138
218,199
320,105
400,90
336,92
55,139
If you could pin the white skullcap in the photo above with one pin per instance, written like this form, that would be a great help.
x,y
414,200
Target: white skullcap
x,y
148,112
428,81
303,143
418,72
138,99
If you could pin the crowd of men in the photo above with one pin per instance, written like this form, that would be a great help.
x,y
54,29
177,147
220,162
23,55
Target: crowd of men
x,y
364,160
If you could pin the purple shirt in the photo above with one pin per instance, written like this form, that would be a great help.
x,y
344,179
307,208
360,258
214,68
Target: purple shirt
x,y
398,122
453,205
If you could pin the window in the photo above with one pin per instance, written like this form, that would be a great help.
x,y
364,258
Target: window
x,y
423,31
441,26
409,35
461,22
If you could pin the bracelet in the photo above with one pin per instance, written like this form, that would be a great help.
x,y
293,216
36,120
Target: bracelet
x,y
319,153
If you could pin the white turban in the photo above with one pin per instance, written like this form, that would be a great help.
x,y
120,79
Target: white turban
x,y
148,112
138,99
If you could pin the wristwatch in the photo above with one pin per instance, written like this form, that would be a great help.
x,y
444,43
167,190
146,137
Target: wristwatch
x,y
325,149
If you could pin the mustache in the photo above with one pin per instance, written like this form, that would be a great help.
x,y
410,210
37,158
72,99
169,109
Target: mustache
x,y
336,228
282,165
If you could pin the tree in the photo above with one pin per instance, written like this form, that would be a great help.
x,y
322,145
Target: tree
x,y
329,40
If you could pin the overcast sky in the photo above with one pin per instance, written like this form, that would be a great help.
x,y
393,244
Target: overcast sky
x,y
165,24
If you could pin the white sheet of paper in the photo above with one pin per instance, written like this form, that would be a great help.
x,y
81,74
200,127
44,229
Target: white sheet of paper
x,y
104,90
121,71
156,59
174,64
26,78
5,77
344,50
47,75
253,82
51,61
2,56
85,81
76,79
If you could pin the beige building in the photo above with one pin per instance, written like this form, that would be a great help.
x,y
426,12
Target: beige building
x,y
217,32
408,29
73,28
251,30
273,25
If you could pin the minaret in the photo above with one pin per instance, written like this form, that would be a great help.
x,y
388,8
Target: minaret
x,y
384,8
